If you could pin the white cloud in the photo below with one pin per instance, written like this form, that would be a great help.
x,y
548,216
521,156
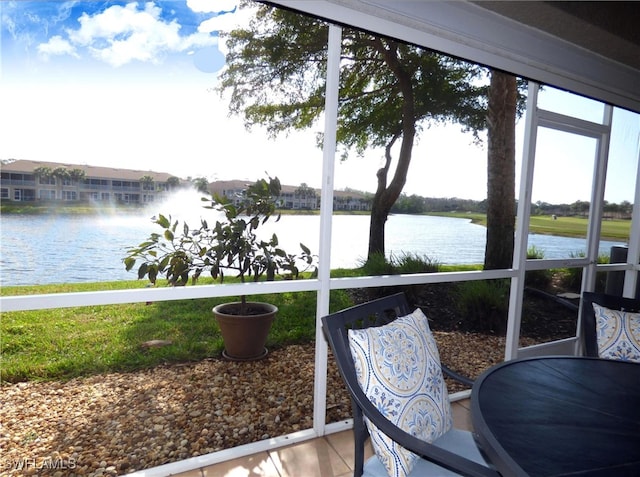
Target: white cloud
x,y
212,6
57,46
225,22
120,35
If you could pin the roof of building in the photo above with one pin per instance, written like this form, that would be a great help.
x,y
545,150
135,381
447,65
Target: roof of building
x,y
219,186
27,166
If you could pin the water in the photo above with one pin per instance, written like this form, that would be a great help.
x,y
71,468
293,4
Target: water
x,y
64,249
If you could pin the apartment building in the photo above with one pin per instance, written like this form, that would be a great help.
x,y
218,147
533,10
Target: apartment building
x,y
295,197
30,181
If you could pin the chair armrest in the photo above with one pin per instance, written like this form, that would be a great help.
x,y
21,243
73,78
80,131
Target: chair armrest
x,y
433,453
457,376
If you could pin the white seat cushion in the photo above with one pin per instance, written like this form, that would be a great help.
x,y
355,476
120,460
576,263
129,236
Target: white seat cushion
x,y
455,440
398,368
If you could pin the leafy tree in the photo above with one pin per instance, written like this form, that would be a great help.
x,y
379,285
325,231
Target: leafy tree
x,y
413,204
173,182
43,172
580,207
147,182
626,207
305,191
201,184
61,173
77,175
389,92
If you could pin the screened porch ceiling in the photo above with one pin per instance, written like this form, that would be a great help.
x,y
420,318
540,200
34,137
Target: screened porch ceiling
x,y
590,48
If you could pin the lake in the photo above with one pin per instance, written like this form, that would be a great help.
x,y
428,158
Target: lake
x,y
65,249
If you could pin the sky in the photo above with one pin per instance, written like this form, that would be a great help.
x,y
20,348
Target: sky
x,y
133,85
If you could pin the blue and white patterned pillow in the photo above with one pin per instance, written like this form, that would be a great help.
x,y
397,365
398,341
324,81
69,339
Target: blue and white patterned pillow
x,y
398,368
618,334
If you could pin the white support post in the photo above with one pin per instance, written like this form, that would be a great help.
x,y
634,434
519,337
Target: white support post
x,y
633,254
522,224
595,216
597,203
326,214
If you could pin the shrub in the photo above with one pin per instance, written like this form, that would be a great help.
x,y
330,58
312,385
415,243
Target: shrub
x,y
406,263
377,264
537,278
414,263
571,278
484,305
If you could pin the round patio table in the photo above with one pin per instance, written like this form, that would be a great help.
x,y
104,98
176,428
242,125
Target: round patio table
x,y
559,416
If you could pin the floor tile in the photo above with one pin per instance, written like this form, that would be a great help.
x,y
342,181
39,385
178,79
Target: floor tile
x,y
314,458
461,416
342,442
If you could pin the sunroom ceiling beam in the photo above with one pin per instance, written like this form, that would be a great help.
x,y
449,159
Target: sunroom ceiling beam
x,y
468,31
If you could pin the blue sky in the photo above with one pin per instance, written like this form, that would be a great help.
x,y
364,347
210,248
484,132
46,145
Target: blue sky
x,y
131,84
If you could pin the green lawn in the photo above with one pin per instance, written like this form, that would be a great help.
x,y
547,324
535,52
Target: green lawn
x,y
616,229
66,342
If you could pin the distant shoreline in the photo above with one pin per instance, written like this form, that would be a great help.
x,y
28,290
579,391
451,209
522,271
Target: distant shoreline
x,y
22,208
615,229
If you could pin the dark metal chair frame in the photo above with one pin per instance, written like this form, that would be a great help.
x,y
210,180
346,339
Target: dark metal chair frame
x,y
377,313
588,316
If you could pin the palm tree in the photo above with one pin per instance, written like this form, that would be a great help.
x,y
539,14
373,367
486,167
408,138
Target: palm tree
x,y
77,176
60,174
201,184
173,182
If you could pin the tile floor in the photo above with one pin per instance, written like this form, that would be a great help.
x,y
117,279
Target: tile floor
x,y
329,456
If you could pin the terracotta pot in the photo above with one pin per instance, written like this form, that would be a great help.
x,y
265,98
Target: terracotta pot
x,y
245,336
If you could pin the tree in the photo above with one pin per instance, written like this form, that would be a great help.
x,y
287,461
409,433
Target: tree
x,y
201,184
42,172
61,174
77,176
173,182
147,182
304,191
501,170
306,196
389,91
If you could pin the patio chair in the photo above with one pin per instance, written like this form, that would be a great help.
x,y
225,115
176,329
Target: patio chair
x,y
612,329
389,361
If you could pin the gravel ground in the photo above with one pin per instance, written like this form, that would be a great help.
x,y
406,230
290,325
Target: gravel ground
x,y
118,423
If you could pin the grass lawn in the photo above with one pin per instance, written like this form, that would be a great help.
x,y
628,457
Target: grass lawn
x,y
616,229
67,342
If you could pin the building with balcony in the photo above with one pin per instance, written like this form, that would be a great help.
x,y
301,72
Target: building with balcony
x,y
295,197
31,181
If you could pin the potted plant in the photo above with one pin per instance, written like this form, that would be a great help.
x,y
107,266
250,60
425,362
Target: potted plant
x,y
183,254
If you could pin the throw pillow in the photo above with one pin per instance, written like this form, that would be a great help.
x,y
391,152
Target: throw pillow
x,y
398,368
618,334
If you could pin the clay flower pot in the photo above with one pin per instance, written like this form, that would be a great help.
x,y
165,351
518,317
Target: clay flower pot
x,y
245,336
